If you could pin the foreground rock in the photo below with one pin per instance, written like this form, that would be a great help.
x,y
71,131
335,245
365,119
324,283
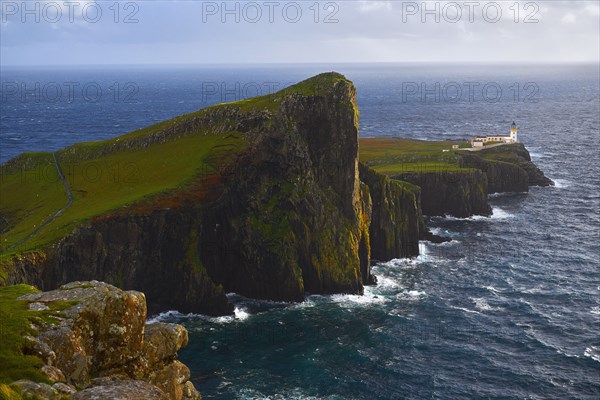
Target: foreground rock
x,y
102,348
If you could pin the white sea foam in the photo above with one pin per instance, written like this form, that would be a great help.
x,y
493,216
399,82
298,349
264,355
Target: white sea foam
x,y
307,303
384,282
545,154
481,304
353,300
173,315
497,214
504,194
445,244
411,295
167,316
240,313
436,231
593,352
402,263
465,310
595,310
493,289
561,183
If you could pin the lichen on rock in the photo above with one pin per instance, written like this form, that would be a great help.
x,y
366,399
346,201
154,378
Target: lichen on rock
x,y
103,333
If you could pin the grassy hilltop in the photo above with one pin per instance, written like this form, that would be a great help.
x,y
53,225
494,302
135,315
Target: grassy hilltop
x,y
394,156
135,168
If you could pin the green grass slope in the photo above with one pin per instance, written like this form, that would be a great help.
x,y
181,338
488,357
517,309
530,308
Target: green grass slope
x,y
108,175
15,324
396,156
99,185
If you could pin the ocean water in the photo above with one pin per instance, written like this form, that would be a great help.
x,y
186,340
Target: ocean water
x,y
509,309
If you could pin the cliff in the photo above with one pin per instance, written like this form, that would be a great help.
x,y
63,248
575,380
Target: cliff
x,y
454,181
263,197
508,168
260,197
456,193
396,222
91,341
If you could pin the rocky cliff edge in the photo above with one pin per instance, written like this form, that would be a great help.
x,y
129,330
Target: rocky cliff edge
x,y
100,347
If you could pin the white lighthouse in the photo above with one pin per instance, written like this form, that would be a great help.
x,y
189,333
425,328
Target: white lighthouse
x,y
513,133
481,141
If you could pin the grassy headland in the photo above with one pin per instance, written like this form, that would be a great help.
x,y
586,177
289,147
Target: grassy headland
x,y
395,156
108,175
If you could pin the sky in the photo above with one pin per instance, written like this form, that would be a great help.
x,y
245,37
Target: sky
x,y
81,32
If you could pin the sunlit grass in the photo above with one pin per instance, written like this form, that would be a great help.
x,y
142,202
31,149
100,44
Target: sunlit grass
x,y
397,156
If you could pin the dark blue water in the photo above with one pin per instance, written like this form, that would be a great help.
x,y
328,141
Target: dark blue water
x,y
509,309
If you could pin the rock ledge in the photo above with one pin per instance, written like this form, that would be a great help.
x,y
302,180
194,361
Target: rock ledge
x,y
101,347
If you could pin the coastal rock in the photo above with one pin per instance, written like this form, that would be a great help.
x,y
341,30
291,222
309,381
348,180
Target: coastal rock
x,y
284,216
102,332
396,216
65,389
24,268
122,390
290,221
154,253
53,373
37,390
365,215
171,379
456,193
162,341
35,347
508,168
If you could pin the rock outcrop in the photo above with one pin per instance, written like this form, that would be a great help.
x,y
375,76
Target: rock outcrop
x,y
508,168
284,215
456,193
462,193
101,347
396,221
155,253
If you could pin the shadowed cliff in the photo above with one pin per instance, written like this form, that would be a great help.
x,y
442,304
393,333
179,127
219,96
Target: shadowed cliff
x,y
262,198
453,181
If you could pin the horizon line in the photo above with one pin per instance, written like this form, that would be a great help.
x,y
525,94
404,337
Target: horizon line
x,y
319,63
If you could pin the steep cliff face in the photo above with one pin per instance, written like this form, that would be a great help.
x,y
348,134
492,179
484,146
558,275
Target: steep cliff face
x,y
281,215
507,168
396,221
517,155
154,253
501,176
291,220
100,346
453,181
456,193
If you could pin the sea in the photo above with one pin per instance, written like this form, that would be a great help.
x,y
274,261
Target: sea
x,y
508,309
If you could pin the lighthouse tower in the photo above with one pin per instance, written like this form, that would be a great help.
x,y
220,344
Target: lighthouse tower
x,y
513,133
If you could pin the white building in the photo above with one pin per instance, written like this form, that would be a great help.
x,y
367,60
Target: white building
x,y
480,141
